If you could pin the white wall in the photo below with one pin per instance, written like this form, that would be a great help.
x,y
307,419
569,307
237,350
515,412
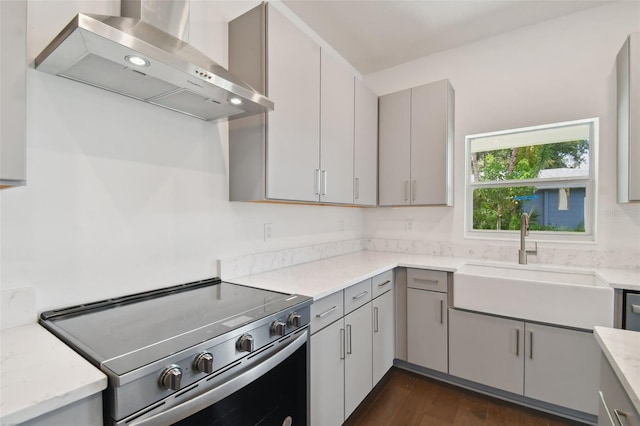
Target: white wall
x,y
559,70
123,196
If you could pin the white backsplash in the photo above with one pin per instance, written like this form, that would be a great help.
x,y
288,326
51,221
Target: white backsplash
x,y
617,259
238,266
18,307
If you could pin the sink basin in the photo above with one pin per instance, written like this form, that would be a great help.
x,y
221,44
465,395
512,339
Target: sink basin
x,y
547,294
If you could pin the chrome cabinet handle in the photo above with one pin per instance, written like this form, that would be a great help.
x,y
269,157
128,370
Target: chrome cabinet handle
x,y
342,343
531,345
349,351
441,311
375,320
635,309
426,280
413,191
318,182
327,312
384,283
324,182
406,190
619,415
361,295
517,342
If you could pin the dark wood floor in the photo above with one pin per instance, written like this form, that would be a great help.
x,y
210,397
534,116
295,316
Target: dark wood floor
x,y
405,398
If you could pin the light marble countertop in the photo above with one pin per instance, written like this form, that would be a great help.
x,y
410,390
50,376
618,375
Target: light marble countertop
x,y
39,374
323,277
622,349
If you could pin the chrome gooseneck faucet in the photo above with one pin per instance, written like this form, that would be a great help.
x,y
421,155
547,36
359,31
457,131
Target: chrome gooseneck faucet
x,y
524,231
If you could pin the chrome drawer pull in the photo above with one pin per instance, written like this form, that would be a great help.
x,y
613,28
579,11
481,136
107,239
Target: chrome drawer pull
x,y
384,283
342,343
375,320
327,312
517,342
361,295
635,309
426,280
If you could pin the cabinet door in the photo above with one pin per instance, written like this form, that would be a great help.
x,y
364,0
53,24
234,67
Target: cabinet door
x,y
358,359
383,335
394,149
561,367
487,350
431,144
366,146
293,137
327,375
427,329
13,74
336,131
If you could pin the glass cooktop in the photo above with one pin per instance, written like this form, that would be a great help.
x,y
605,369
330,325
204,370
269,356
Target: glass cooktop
x,y
171,319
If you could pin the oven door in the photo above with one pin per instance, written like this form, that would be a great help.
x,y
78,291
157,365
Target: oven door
x,y
270,388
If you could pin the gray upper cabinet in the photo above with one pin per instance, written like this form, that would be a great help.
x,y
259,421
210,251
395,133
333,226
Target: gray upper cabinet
x,y
394,174
628,85
336,131
365,166
13,68
416,146
275,156
304,150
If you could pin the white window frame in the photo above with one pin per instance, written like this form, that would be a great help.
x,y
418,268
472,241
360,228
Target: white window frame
x,y
589,182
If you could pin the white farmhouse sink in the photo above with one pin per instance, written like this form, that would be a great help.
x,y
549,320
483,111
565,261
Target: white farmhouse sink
x,y
547,294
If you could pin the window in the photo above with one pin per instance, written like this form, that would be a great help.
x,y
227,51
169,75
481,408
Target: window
x,y
545,171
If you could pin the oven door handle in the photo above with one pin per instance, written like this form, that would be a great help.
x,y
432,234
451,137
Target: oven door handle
x,y
200,402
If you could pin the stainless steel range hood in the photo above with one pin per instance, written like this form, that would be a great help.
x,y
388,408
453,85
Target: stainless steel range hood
x,y
137,56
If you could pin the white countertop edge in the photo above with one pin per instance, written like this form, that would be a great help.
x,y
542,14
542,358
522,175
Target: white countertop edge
x,y
30,375
613,342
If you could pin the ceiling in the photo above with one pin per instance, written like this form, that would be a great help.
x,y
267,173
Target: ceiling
x,y
376,34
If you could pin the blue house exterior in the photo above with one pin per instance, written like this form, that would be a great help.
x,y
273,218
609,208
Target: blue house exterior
x,y
548,204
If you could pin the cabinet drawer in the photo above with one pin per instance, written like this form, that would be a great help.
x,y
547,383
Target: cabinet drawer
x,y
326,310
424,279
357,295
381,283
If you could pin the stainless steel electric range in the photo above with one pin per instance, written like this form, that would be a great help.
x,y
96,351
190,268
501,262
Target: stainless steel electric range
x,y
202,353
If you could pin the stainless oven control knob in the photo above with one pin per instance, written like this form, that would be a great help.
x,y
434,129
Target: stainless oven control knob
x,y
294,320
278,328
245,343
204,363
170,378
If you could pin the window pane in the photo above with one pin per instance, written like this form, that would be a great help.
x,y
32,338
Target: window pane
x,y
553,153
501,208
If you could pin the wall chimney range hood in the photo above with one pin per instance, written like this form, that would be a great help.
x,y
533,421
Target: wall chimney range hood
x,y
145,55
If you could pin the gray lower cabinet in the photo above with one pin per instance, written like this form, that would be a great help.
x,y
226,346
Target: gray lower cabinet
x,y
615,407
487,350
560,367
352,347
358,358
383,333
551,364
427,319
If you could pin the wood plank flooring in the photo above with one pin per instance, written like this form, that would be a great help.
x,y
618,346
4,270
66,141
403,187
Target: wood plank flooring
x,y
407,399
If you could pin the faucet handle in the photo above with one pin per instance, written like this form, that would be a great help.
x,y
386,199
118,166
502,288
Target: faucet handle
x,y
535,249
